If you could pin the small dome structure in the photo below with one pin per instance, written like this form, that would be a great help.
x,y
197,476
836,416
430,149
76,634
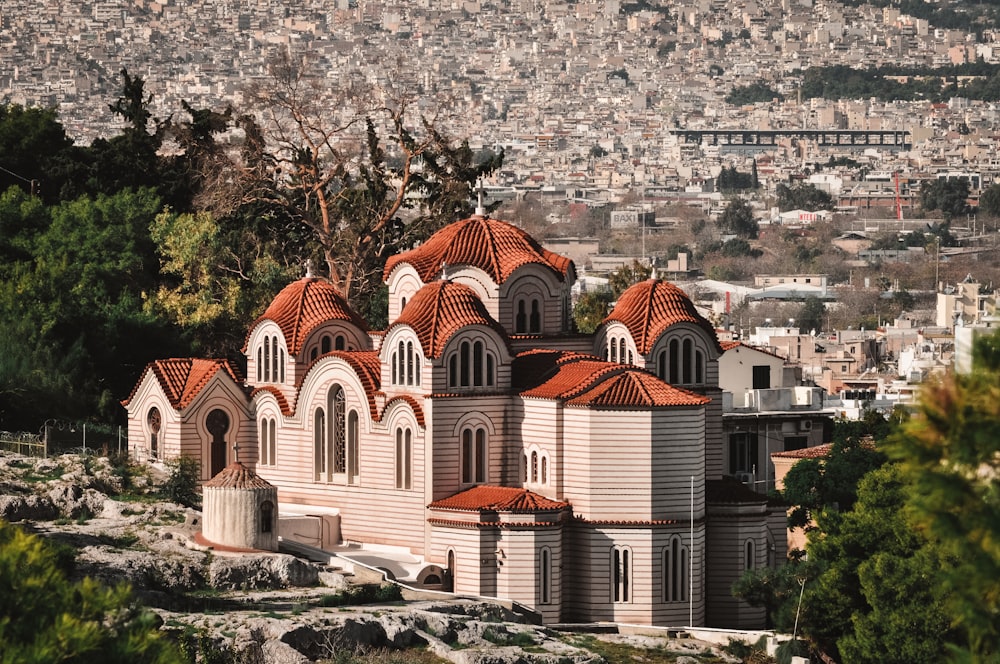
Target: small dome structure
x,y
304,305
240,510
442,308
649,307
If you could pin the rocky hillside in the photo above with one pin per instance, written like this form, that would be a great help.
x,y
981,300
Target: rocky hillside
x,y
113,520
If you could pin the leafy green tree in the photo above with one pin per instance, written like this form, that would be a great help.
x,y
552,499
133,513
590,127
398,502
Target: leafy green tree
x,y
44,617
738,219
948,195
871,600
37,155
950,456
628,275
776,589
591,309
812,315
989,201
802,197
753,93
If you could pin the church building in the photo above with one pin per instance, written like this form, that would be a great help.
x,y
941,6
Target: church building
x,y
582,476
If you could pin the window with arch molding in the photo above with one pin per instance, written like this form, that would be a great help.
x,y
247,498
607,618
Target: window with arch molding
x,y
405,363
404,458
528,316
474,455
749,555
319,445
621,574
267,454
472,364
681,362
676,568
616,350
155,422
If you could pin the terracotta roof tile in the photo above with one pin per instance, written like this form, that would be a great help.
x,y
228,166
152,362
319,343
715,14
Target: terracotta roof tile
x,y
283,404
648,308
637,388
585,380
440,309
182,379
494,246
504,525
304,305
815,452
729,345
499,499
237,476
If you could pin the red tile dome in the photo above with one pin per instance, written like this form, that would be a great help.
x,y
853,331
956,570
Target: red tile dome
x,y
494,246
648,308
304,305
440,309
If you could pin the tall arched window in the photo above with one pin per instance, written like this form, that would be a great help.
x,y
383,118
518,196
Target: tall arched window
x,y
521,319
353,465
661,365
263,454
545,469
675,571
699,367
217,423
404,458
281,365
674,362
687,360
272,442
474,451
336,405
749,555
266,516
260,363
535,318
154,422
274,359
544,575
340,342
267,359
325,344
621,574
409,363
534,466
319,445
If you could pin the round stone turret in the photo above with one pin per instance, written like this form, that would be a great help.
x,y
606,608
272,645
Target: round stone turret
x,y
240,510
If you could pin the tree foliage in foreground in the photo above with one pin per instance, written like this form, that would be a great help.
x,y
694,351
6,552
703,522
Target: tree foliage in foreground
x,y
949,452
45,618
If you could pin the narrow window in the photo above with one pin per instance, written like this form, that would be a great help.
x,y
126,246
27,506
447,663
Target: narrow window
x,y
325,344
264,450
477,364
621,350
614,350
272,441
468,463
674,362
217,423
545,469
314,353
699,367
534,467
404,453
545,575
319,445
621,574
675,571
266,516
480,455
521,320
491,370
749,556
409,363
688,360
281,365
267,359
353,464
260,363
401,362
535,323
416,366
524,477
464,363
340,343
274,359
661,365
453,371
392,363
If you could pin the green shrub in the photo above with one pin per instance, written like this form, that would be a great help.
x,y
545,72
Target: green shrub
x,y
182,482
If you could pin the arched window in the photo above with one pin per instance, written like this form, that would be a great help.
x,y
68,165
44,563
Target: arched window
x,y
353,465
260,363
325,344
336,405
267,359
340,342
699,367
409,363
272,441
535,319
263,454
394,363
281,365
534,466
749,555
661,365
314,353
614,349
266,516
621,574
274,359
474,452
217,423
521,319
688,360
319,445
545,469
154,422
472,365
544,575
404,458
621,350
400,363
675,571
527,464
674,362
452,569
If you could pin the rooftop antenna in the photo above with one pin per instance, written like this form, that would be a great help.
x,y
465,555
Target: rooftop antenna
x,y
480,207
